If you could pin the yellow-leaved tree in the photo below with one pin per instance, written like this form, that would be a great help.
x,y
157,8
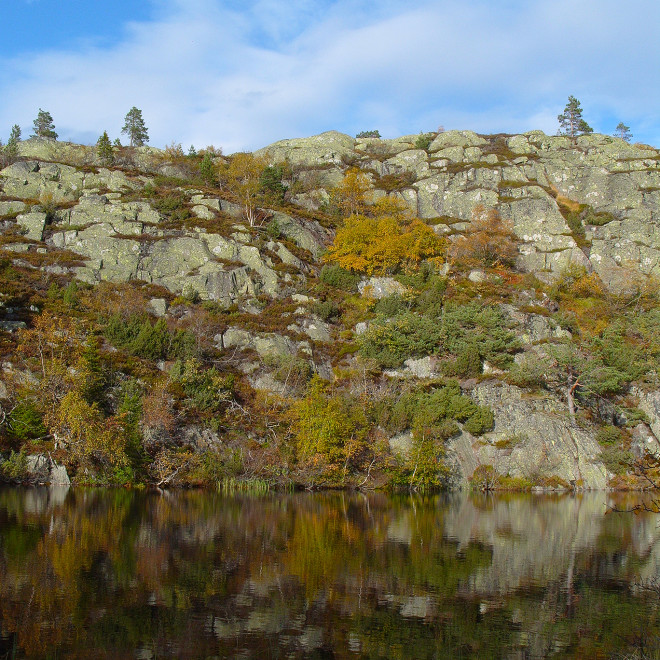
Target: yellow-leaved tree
x,y
352,194
84,432
389,239
243,179
330,431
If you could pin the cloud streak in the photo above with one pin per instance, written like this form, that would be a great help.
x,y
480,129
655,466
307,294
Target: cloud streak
x,y
241,75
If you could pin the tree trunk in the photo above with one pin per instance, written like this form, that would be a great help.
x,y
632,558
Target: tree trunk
x,y
571,403
570,397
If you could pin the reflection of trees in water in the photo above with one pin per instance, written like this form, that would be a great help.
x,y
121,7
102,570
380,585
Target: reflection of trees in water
x,y
190,574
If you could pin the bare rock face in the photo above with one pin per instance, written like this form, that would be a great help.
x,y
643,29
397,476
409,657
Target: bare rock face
x,y
324,149
524,177
380,287
532,438
122,241
33,224
43,470
649,403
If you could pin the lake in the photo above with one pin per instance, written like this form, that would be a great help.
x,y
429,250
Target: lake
x,y
134,574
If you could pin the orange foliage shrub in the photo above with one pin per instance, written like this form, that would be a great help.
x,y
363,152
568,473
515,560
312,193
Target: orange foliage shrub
x,y
489,240
389,240
157,412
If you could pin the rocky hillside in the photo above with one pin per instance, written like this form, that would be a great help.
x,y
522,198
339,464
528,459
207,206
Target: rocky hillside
x,y
421,312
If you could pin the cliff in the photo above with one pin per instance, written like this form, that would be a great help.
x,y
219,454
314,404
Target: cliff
x,y
147,238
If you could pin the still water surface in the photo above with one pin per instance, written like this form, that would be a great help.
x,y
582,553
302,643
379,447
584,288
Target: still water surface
x,y
122,574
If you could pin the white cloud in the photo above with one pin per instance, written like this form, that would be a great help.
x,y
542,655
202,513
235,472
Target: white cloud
x,y
243,74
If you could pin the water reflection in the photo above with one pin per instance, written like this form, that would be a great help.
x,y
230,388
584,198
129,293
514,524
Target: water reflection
x,y
143,575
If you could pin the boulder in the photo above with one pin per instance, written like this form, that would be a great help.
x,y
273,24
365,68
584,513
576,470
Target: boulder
x,y
268,383
307,235
649,403
644,442
412,160
325,149
380,287
401,444
13,206
33,224
456,139
266,345
532,438
203,212
533,328
38,180
42,469
422,367
158,306
316,329
457,194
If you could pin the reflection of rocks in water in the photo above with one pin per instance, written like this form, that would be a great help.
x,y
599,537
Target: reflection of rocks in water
x,y
399,530
314,575
420,607
39,500
533,539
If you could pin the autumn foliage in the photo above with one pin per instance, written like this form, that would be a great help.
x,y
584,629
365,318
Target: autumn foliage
x,y
352,194
243,179
329,429
385,241
488,241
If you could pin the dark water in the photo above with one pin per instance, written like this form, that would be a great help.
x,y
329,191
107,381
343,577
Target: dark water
x,y
120,574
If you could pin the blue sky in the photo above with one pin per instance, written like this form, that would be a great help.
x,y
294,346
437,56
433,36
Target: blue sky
x,y
240,74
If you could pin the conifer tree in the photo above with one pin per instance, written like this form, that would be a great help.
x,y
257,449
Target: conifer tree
x,y
207,170
622,131
15,135
134,127
571,122
11,149
44,126
104,149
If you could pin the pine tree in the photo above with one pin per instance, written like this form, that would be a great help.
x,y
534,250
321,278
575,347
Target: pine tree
x,y
104,149
207,170
11,149
15,135
571,122
134,127
44,126
622,131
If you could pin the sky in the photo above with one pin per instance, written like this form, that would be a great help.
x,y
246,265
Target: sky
x,y
241,74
